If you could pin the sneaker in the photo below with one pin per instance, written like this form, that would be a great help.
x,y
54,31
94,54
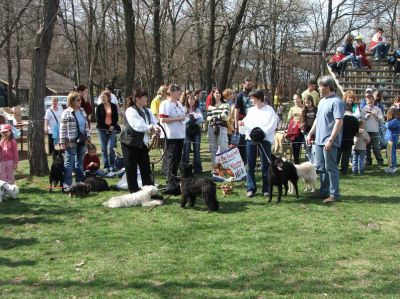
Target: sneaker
x,y
250,194
387,169
329,199
65,187
393,169
106,171
266,194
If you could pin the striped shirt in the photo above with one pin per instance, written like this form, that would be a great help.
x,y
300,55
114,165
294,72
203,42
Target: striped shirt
x,y
220,112
68,128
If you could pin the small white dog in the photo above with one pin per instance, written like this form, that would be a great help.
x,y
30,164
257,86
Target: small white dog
x,y
307,172
8,190
140,198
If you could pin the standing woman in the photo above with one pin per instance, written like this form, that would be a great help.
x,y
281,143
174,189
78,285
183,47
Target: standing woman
x,y
262,116
85,100
295,118
72,124
140,123
309,116
193,133
173,118
52,123
217,116
107,127
350,98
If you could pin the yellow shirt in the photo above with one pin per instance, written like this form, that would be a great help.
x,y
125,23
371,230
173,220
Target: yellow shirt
x,y
314,94
296,113
155,105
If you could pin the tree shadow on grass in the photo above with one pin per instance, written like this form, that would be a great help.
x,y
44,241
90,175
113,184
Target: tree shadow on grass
x,y
20,207
10,243
346,199
27,220
12,264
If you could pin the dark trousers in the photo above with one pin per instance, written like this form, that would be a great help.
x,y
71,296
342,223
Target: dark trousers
x,y
343,157
51,143
172,158
296,147
134,157
242,148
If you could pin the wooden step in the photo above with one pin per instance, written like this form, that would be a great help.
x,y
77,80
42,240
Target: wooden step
x,y
342,82
371,77
367,71
385,91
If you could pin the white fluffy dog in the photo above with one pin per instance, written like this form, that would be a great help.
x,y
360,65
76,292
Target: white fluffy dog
x,y
140,198
307,172
8,190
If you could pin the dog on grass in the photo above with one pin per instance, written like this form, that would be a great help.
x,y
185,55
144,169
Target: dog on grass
x,y
191,187
8,190
279,174
56,176
306,171
96,184
139,198
79,189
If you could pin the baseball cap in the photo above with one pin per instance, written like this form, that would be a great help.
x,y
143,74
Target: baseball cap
x,y
368,90
5,128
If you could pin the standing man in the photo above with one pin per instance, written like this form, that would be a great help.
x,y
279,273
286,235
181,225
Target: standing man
x,y
242,104
327,128
311,91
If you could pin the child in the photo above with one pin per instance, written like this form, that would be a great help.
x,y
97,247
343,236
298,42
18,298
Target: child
x,y
360,147
91,162
9,154
392,136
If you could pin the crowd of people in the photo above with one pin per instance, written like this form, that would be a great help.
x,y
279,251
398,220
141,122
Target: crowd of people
x,y
332,130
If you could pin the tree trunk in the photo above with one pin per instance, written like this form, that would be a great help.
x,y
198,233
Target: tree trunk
x,y
36,149
157,69
232,32
77,58
210,47
129,15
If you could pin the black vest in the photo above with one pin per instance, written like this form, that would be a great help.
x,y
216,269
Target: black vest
x,y
129,136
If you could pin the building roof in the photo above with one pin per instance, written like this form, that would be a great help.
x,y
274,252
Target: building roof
x,y
55,82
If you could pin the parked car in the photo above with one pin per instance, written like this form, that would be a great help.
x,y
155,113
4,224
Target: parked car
x,y
62,101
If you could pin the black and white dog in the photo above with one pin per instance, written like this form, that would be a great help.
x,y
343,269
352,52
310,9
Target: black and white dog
x,y
57,170
191,187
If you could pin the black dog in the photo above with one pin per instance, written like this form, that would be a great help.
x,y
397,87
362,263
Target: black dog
x,y
57,170
96,184
280,173
192,187
79,189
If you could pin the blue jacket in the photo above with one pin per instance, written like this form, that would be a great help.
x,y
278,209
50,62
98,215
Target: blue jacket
x,y
393,130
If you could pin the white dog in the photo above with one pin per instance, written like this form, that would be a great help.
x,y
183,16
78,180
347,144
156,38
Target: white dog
x,y
8,190
307,172
140,198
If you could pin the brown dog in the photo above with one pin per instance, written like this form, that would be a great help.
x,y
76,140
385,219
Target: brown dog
x,y
282,146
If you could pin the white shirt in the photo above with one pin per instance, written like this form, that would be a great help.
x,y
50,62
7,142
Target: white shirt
x,y
138,124
176,129
264,118
371,121
49,116
114,100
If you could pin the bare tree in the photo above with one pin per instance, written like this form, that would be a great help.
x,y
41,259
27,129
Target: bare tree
x,y
129,16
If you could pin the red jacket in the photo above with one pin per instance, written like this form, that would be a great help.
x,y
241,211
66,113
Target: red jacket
x,y
337,58
88,159
360,51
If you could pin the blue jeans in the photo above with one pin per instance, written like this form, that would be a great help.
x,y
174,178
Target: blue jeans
x,y
107,142
195,140
74,162
381,50
309,150
350,57
329,172
251,153
358,161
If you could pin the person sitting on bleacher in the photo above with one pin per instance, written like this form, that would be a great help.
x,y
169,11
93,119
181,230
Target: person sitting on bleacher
x,y
395,61
379,47
334,62
349,52
360,53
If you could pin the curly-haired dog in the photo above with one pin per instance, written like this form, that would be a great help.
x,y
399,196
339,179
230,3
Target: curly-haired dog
x,y
96,184
140,198
192,187
79,189
8,190
307,172
57,170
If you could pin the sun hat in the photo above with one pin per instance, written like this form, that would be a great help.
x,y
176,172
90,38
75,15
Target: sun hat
x,y
359,37
5,128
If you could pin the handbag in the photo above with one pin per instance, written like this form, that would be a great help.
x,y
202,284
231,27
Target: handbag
x,y
82,137
293,130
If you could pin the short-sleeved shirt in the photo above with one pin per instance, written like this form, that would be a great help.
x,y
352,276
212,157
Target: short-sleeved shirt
x,y
243,103
51,118
314,94
176,129
329,109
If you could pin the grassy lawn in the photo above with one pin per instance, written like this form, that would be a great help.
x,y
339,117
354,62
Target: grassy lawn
x,y
53,246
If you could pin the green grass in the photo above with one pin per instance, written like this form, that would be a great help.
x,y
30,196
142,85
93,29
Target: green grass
x,y
56,247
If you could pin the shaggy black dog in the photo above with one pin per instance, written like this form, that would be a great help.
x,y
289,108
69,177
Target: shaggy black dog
x,y
57,170
96,184
192,187
79,189
280,173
